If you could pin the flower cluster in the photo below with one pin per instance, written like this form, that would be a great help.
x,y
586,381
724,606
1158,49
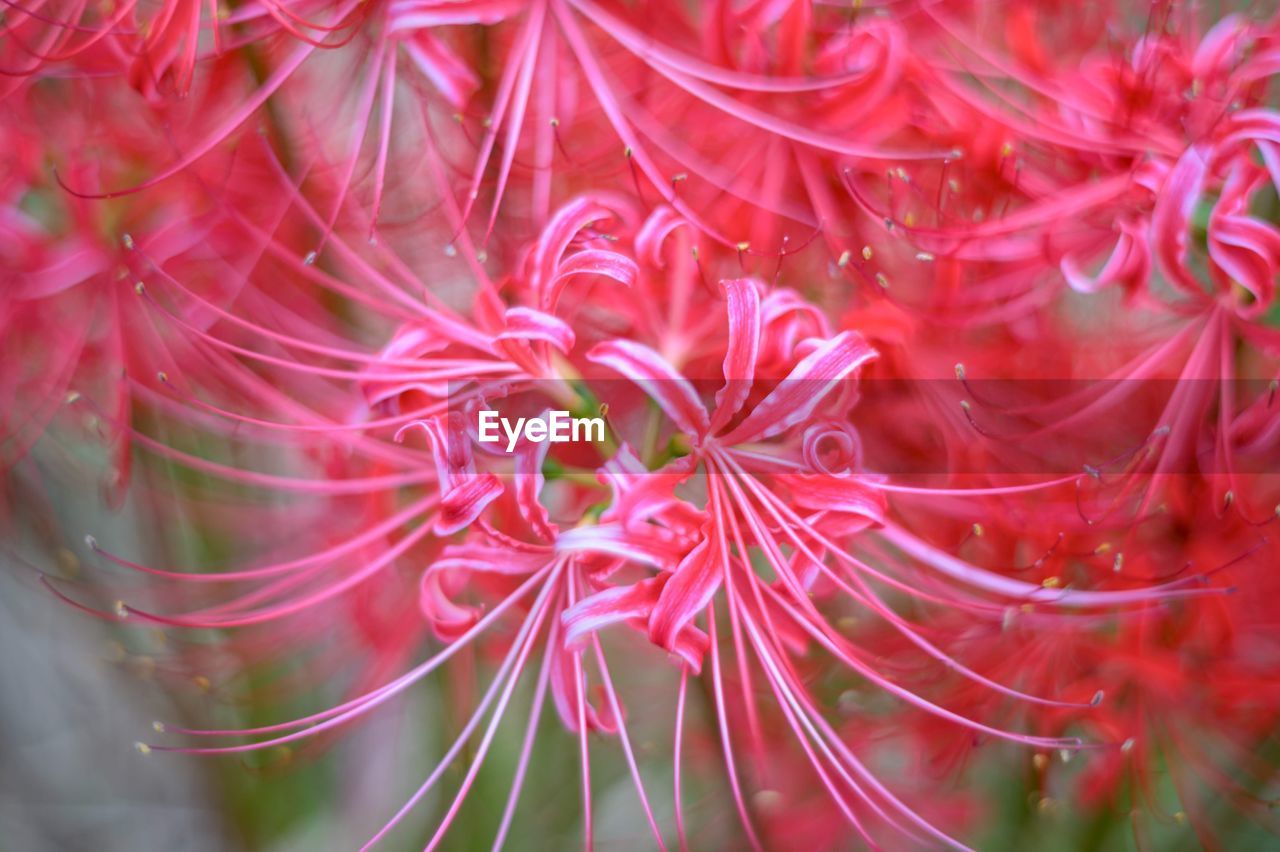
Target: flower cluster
x,y
936,346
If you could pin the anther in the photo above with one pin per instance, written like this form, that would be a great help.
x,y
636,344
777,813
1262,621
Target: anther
x,y
162,377
142,748
158,727
1127,745
121,610
450,250
73,396
1052,582
977,530
1040,761
866,252
768,800
1118,565
91,542
743,246
140,288
310,259
128,241
844,259
1097,698
924,257
960,372
882,281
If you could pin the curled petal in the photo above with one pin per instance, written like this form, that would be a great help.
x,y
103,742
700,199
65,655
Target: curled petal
x,y
688,592
796,396
832,446
619,603
653,235
640,495
466,500
528,324
651,372
1244,249
649,545
448,620
564,226
529,480
1128,264
843,494
610,264
1171,218
745,322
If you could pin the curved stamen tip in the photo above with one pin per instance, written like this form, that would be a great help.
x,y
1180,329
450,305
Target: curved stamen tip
x,y
142,748
1097,698
158,727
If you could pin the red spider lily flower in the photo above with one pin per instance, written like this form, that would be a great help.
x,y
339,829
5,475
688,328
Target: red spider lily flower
x,y
763,497
1028,465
